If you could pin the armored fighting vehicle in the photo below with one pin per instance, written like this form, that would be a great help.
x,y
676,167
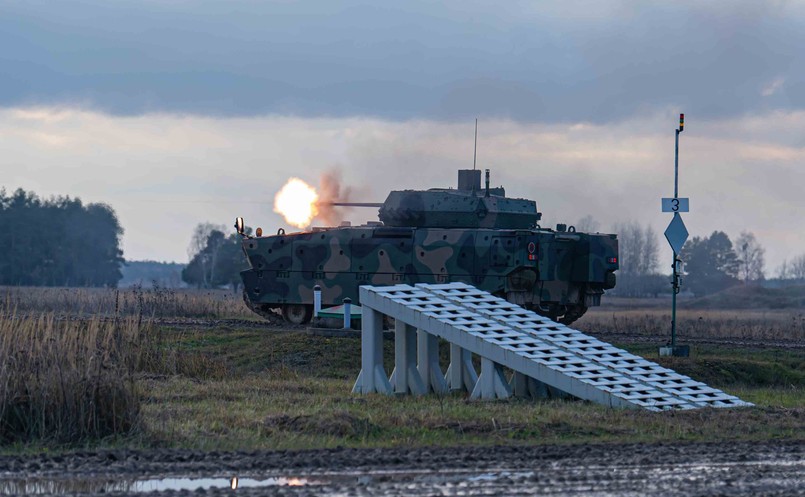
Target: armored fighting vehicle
x,y
469,234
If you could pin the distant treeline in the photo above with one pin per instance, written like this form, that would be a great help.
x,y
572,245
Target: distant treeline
x,y
58,242
710,264
216,258
151,274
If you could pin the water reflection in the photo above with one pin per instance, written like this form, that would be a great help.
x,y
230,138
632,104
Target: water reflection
x,y
94,485
60,486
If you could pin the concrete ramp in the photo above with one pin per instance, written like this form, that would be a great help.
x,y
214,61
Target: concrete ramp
x,y
545,356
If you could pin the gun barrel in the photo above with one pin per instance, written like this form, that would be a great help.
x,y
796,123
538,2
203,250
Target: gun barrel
x,y
355,204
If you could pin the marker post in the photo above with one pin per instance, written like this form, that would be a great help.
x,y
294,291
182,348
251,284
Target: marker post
x,y
676,234
675,281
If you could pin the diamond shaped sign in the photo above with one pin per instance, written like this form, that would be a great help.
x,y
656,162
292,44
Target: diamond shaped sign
x,y
676,233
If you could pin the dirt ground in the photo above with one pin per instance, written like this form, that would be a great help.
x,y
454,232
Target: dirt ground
x,y
768,468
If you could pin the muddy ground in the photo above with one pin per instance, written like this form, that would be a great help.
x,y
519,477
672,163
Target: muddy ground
x,y
731,468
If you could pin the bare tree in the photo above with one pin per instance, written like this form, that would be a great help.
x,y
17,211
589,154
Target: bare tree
x,y
630,247
649,259
784,270
588,225
797,270
198,242
639,257
751,258
639,251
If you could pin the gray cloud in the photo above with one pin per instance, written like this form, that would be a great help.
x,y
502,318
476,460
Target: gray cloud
x,y
164,173
584,61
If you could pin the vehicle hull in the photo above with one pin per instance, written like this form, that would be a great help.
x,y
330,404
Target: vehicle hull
x,y
558,274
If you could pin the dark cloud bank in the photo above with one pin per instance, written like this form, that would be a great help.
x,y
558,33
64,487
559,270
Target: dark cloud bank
x,y
577,61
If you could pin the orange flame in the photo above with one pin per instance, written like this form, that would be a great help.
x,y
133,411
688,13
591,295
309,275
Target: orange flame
x,y
297,202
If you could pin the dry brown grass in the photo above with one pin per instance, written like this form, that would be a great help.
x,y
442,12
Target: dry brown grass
x,y
68,380
151,302
786,325
69,358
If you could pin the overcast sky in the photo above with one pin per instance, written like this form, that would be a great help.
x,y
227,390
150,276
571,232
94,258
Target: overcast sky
x,y
176,112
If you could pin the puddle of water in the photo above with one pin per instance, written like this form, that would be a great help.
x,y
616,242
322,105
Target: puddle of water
x,y
67,486
102,485
207,483
495,476
567,478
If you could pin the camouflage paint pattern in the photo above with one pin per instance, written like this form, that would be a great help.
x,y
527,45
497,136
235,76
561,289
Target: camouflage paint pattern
x,y
567,270
470,235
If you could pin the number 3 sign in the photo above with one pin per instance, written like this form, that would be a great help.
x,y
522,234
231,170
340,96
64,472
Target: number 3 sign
x,y
675,205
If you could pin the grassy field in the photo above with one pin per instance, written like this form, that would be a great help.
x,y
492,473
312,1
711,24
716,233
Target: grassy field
x,y
741,313
230,386
145,302
292,390
753,324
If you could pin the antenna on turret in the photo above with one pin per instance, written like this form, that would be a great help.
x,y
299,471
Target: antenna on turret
x,y
475,149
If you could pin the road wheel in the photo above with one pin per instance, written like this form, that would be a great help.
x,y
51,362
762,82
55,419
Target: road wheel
x,y
297,313
573,313
550,311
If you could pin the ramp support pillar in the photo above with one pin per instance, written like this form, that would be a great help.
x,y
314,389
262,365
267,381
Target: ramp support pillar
x,y
405,378
429,369
492,383
373,377
527,387
461,375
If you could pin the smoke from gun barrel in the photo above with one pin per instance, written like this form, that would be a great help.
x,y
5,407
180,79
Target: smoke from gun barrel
x,y
355,204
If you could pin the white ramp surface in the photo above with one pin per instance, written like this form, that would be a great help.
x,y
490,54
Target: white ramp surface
x,y
533,346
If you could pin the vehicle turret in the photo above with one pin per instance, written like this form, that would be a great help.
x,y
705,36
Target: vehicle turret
x,y
468,206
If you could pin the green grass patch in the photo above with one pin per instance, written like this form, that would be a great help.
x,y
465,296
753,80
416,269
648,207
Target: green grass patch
x,y
293,390
288,411
724,367
250,388
232,387
255,350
